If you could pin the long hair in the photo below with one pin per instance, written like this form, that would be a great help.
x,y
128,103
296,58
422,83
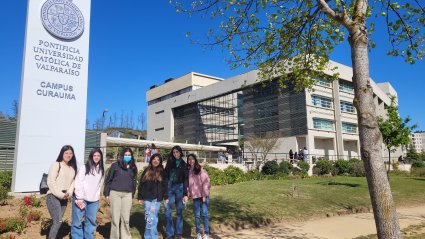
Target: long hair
x,y
154,173
90,165
197,167
171,162
73,161
121,159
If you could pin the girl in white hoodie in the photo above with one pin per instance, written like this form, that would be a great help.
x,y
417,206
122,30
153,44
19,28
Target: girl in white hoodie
x,y
85,202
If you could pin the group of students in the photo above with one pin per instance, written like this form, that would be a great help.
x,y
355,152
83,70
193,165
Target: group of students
x,y
172,185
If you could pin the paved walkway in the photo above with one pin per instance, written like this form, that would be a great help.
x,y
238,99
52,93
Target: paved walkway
x,y
338,227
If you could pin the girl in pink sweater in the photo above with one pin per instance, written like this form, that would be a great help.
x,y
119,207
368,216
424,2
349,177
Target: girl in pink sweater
x,y
199,191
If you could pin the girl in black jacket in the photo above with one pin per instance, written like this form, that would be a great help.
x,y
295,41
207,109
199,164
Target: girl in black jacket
x,y
152,190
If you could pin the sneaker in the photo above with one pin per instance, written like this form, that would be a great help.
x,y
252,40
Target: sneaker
x,y
205,236
178,237
198,236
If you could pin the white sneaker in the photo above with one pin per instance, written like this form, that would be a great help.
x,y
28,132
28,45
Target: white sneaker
x,y
206,236
198,236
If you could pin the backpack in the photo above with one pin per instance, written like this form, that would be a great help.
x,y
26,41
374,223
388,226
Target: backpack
x,y
43,184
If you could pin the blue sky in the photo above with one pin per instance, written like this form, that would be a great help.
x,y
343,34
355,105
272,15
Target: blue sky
x,y
135,44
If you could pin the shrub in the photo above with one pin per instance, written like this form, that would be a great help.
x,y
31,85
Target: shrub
x,y
6,179
3,195
270,168
417,164
304,166
253,175
233,175
285,167
323,167
217,176
418,172
341,167
356,168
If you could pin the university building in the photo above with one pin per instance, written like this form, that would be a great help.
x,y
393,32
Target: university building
x,y
201,109
418,141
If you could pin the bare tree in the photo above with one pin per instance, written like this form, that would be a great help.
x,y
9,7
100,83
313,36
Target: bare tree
x,y
142,121
259,147
15,110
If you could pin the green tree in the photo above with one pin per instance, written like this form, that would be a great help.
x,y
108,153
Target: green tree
x,y
395,130
411,153
296,36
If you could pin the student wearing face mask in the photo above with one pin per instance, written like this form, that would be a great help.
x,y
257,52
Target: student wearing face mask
x,y
120,186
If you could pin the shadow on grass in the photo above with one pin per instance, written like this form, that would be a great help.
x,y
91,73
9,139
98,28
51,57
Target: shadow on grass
x,y
137,221
223,214
234,215
418,179
333,183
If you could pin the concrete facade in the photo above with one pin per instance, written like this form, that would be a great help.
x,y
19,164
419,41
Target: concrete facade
x,y
323,120
418,141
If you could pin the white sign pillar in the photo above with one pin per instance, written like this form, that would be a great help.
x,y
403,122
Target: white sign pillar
x,y
52,109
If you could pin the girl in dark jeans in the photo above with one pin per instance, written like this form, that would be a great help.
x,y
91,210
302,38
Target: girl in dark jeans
x,y
177,176
61,186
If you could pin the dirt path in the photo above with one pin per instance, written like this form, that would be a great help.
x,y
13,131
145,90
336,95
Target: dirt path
x,y
338,227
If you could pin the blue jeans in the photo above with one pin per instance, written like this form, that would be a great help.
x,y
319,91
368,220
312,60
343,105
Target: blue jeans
x,y
200,208
175,196
89,212
151,219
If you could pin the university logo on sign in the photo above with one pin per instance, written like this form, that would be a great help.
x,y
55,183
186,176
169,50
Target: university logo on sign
x,y
62,19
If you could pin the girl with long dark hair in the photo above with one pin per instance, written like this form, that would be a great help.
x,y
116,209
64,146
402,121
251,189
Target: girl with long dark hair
x,y
199,191
61,186
152,190
120,186
177,175
85,202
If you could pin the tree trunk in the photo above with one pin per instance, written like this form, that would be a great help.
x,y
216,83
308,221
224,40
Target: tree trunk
x,y
384,211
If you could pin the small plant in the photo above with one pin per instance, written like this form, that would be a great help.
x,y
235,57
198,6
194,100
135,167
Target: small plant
x,y
12,225
234,175
285,167
28,201
33,215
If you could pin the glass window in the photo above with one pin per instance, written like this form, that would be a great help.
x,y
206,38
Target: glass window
x,y
323,124
347,107
349,128
322,82
346,86
321,101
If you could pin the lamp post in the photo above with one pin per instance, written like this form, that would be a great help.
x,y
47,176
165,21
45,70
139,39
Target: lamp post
x,y
103,117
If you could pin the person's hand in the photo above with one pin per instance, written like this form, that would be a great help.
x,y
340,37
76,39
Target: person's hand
x,y
204,199
107,200
66,195
80,203
166,201
185,198
141,202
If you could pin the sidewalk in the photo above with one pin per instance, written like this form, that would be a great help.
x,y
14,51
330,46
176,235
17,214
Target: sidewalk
x,y
338,227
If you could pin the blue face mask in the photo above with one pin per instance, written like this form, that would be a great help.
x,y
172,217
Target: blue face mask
x,y
127,159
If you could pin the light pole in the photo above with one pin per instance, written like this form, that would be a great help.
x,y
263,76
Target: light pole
x,y
103,117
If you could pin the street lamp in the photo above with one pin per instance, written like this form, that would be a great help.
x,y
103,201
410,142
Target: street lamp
x,y
103,116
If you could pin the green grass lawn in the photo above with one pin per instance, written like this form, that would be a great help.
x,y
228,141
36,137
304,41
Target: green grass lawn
x,y
260,202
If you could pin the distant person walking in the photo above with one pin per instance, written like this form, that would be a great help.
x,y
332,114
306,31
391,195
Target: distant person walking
x,y
199,191
177,175
120,186
154,150
147,153
291,154
305,153
152,190
85,202
61,187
